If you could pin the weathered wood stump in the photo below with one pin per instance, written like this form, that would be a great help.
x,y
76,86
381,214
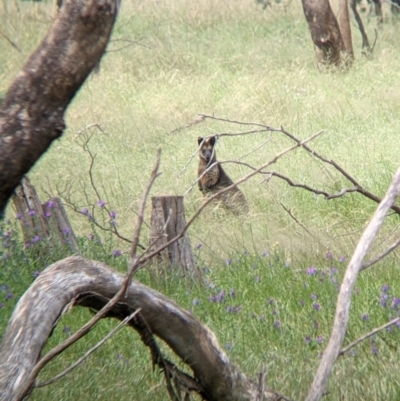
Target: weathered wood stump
x,y
167,222
48,220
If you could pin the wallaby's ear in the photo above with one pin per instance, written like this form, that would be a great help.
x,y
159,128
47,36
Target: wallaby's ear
x,y
212,141
200,140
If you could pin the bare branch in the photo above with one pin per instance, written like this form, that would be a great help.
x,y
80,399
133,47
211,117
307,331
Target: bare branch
x,y
368,335
10,41
381,256
344,299
140,217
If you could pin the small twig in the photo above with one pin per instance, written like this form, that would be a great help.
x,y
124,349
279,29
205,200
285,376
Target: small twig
x,y
261,384
297,221
82,358
381,256
370,334
10,41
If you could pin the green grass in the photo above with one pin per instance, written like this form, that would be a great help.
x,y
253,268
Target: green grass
x,y
235,61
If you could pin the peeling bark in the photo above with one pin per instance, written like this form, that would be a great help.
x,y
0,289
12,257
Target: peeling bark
x,y
63,282
32,113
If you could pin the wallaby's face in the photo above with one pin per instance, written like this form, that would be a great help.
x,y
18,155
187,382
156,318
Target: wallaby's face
x,y
206,151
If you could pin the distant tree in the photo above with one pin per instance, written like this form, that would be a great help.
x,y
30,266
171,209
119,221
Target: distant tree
x,y
331,36
32,111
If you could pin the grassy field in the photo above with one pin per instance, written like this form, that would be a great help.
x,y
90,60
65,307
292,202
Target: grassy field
x,y
231,60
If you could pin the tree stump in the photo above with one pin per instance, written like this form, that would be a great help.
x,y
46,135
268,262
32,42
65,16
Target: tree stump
x,y
168,221
47,220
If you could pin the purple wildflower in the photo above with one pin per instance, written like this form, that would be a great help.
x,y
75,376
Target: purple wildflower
x,y
329,255
311,271
67,330
228,262
101,203
50,204
217,298
19,216
232,293
7,234
257,279
277,324
10,295
274,312
364,317
320,339
333,270
384,299
116,253
47,214
36,273
398,323
317,306
198,246
271,301
196,301
228,346
395,303
233,309
374,349
314,297
342,259
385,288
85,211
307,339
265,253
67,230
35,239
32,212
113,214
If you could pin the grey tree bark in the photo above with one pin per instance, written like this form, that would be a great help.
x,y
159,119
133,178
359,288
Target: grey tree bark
x,y
32,113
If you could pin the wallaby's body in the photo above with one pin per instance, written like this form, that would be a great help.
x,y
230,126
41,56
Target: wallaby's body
x,y
212,178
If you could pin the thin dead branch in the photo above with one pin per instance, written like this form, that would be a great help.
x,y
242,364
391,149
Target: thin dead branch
x,y
88,353
368,335
332,350
13,44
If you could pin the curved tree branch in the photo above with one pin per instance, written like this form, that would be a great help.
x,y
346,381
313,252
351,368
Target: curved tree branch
x,y
63,282
32,114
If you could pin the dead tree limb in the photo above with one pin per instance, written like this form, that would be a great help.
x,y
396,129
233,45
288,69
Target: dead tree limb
x,y
63,282
332,350
32,114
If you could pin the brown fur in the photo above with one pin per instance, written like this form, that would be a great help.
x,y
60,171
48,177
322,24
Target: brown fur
x,y
211,180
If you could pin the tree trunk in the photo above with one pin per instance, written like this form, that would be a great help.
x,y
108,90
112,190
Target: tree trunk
x,y
167,221
325,32
89,283
344,24
32,113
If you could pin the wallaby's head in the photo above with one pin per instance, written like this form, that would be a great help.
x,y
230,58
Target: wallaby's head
x,y
206,151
